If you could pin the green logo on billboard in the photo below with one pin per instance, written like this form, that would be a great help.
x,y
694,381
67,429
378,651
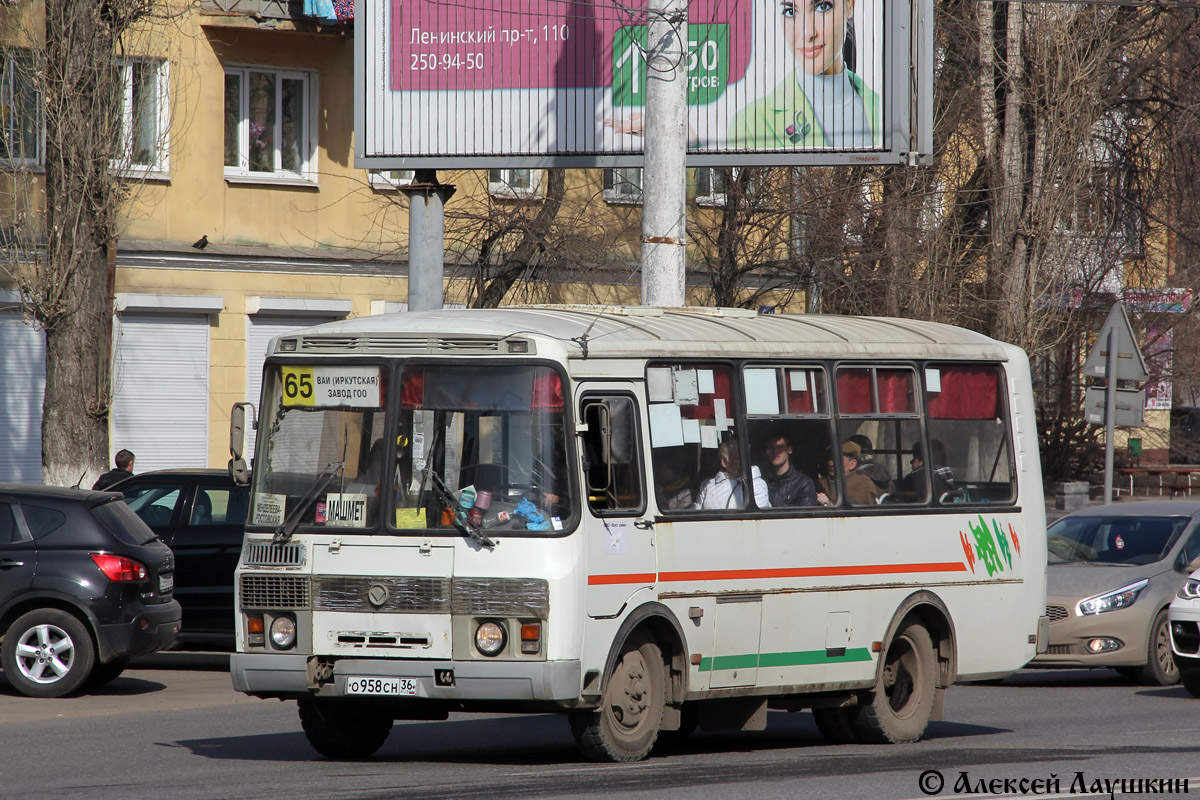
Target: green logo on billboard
x,y
708,64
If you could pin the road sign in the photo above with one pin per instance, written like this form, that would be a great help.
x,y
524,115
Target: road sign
x,y
1130,364
1130,403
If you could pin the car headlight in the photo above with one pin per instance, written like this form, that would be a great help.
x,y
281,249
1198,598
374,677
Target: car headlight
x,y
1111,601
283,632
1190,589
490,638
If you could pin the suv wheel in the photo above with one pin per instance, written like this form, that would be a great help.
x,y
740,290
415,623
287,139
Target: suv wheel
x,y
47,653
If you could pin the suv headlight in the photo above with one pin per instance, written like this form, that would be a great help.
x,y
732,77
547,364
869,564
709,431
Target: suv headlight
x,y
1190,589
1111,601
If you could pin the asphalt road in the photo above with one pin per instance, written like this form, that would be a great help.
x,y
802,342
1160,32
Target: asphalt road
x,y
173,728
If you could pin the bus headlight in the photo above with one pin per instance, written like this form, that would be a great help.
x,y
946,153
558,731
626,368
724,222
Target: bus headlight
x,y
283,632
490,638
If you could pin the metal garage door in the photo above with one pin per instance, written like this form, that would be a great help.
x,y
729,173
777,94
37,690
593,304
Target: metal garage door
x,y
160,382
22,384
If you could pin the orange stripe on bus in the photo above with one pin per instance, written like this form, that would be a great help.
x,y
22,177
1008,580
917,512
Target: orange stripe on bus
x,y
608,580
795,572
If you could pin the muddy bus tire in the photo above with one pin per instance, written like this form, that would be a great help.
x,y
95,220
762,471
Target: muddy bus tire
x,y
902,701
337,729
625,725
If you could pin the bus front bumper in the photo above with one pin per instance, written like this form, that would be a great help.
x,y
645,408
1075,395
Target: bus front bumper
x,y
283,675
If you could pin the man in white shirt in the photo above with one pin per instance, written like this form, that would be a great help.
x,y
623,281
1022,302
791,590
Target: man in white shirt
x,y
727,489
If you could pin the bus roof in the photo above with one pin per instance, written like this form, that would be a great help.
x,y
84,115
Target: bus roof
x,y
638,331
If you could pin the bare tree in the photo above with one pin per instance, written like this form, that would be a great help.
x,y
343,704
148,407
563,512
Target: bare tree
x,y
61,249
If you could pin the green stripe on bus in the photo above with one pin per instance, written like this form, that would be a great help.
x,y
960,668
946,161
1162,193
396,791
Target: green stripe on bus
x,y
803,658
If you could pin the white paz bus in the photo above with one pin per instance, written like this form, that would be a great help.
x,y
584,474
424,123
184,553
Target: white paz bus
x,y
648,519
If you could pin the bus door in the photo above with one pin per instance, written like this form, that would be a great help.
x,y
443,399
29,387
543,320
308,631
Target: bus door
x,y
620,537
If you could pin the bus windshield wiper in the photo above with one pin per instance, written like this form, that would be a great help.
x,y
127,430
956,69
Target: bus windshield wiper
x,y
285,530
457,514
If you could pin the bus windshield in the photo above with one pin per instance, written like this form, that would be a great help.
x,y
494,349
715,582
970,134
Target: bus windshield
x,y
487,443
321,446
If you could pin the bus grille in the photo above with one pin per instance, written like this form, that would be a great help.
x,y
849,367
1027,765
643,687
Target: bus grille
x,y
1056,613
499,597
275,591
265,554
405,595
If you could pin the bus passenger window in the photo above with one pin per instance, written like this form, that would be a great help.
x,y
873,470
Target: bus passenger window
x,y
878,423
969,422
788,420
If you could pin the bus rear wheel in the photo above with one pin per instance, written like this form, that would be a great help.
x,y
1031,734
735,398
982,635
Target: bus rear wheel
x,y
338,729
903,698
625,725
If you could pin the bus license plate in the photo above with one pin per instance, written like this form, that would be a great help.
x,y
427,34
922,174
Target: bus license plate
x,y
384,686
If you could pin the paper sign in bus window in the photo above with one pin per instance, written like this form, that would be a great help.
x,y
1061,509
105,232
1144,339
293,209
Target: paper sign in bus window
x,y
346,510
268,509
666,425
799,379
659,386
762,391
691,431
687,388
705,382
933,380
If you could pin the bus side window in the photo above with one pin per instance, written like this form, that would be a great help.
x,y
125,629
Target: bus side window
x,y
879,422
968,423
609,452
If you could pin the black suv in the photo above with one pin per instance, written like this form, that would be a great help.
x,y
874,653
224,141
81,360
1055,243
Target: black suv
x,y
84,587
200,514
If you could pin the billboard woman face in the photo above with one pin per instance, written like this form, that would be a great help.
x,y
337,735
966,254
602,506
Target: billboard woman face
x,y
816,30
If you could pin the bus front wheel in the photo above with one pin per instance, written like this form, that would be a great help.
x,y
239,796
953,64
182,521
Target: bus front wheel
x,y
902,701
338,729
625,725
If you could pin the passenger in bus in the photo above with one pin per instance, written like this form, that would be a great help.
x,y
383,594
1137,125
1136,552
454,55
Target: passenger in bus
x,y
867,465
912,487
672,479
859,488
727,488
786,485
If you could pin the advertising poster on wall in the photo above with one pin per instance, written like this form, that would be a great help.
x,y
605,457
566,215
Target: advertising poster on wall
x,y
561,78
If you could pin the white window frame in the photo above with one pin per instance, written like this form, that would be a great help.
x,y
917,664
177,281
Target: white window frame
x,y
160,164
619,189
241,173
7,102
502,185
390,180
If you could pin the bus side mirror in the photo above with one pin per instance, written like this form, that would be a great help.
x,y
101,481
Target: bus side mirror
x,y
238,470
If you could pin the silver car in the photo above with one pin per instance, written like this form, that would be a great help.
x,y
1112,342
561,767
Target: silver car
x,y
1112,571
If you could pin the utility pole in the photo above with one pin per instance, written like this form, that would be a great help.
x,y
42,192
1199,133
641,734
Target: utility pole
x,y
664,176
426,240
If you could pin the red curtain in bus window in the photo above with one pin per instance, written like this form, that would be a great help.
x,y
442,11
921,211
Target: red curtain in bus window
x,y
547,391
802,401
967,393
895,391
722,389
412,388
854,391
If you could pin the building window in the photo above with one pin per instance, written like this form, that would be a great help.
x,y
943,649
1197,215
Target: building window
x,y
267,130
22,104
623,185
145,115
391,179
711,184
520,183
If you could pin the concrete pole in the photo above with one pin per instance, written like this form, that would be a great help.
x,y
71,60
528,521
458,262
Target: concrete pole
x,y
1110,412
426,240
664,176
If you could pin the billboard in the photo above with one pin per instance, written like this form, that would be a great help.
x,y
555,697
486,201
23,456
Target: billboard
x,y
524,83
